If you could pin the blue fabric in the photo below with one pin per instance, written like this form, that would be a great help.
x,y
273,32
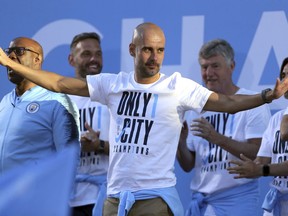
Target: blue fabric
x,y
101,182
225,202
169,195
127,199
273,200
35,126
39,190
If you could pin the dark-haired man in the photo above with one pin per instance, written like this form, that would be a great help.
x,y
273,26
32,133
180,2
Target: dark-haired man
x,y
90,189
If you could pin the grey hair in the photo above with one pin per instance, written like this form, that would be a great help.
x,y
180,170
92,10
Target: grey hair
x,y
217,47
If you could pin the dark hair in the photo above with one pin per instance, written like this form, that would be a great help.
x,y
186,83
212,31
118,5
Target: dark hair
x,y
281,75
83,36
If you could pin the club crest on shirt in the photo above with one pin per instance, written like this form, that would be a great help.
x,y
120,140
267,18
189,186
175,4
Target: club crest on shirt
x,y
32,107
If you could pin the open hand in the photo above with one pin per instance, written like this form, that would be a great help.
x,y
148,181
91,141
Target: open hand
x,y
4,59
245,168
202,128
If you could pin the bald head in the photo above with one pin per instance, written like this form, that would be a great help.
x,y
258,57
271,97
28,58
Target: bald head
x,y
27,52
28,43
145,30
147,49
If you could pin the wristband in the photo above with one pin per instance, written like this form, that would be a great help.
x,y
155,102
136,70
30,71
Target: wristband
x,y
266,170
263,95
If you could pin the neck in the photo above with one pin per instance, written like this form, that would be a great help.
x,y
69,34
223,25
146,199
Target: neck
x,y
146,80
23,87
232,90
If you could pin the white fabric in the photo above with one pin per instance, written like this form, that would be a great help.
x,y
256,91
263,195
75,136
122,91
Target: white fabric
x,y
286,111
145,126
210,174
97,115
273,147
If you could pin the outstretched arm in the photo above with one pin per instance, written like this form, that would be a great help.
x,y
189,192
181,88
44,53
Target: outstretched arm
x,y
48,80
235,103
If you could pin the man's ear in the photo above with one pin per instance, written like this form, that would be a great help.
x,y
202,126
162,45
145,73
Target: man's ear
x,y
71,60
38,60
132,48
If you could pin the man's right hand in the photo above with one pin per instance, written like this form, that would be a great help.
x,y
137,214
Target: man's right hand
x,y
90,139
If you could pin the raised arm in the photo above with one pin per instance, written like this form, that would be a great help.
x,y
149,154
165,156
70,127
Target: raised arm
x,y
48,80
235,103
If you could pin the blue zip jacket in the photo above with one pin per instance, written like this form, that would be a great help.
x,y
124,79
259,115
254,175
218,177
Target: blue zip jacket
x,y
34,126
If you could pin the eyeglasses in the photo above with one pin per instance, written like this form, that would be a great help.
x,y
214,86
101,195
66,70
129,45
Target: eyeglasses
x,y
19,51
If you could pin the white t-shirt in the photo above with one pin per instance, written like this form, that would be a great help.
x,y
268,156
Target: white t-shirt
x,y
210,174
145,125
97,116
272,146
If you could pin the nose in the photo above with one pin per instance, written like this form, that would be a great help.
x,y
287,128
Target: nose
x,y
209,71
154,56
95,58
12,55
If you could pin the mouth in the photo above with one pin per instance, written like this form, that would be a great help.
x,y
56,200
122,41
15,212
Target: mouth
x,y
152,66
211,80
94,67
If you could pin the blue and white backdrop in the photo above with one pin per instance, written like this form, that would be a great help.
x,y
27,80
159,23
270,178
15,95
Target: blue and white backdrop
x,y
257,29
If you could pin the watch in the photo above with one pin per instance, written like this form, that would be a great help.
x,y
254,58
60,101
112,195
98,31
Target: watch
x,y
101,146
266,170
263,95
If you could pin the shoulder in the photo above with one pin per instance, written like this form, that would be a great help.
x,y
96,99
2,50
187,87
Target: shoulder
x,y
55,95
8,95
279,114
57,98
108,75
104,79
176,78
7,99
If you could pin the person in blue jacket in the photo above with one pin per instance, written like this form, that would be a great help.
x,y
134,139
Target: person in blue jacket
x,y
35,123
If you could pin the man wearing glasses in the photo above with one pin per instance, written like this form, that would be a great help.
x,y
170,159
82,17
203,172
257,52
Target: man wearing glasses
x,y
35,122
